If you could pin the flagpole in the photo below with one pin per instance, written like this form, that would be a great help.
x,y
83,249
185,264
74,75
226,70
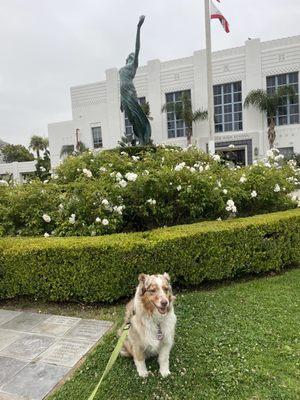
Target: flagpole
x,y
210,103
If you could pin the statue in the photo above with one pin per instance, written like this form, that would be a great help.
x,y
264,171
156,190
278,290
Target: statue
x,y
129,100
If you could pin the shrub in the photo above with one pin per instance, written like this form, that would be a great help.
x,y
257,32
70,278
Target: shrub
x,y
113,191
106,268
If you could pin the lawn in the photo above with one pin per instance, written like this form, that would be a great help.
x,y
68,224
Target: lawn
x,y
237,341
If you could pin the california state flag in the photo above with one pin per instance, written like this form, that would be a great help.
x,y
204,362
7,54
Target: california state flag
x,y
215,13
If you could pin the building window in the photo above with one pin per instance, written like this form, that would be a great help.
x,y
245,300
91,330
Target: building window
x,y
288,152
176,126
288,113
97,137
228,107
128,126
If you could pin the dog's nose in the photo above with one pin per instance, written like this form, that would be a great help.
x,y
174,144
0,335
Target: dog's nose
x,y
164,303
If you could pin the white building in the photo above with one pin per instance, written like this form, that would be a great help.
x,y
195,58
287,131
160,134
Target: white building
x,y
17,170
236,71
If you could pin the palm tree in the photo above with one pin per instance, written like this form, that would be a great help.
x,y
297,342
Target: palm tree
x,y
268,104
38,143
183,110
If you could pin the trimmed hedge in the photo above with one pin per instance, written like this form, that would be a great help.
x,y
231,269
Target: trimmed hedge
x,y
105,268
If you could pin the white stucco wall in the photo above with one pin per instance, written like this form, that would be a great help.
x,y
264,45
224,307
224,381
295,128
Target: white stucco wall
x,y
17,169
99,103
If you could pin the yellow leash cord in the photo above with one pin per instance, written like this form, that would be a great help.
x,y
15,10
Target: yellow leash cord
x,y
112,360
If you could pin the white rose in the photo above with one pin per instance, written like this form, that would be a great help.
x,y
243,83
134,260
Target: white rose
x,y
46,218
253,193
123,183
131,176
105,222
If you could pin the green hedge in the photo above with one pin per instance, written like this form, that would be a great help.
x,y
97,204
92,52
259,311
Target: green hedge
x,y
106,268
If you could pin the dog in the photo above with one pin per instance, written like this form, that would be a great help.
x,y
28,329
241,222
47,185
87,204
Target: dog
x,y
152,323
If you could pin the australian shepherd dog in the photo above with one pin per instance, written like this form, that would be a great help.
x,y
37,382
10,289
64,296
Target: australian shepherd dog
x,y
152,323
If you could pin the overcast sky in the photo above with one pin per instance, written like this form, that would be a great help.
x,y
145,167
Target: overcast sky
x,y
47,46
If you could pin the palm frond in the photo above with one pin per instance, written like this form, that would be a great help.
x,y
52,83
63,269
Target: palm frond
x,y
200,115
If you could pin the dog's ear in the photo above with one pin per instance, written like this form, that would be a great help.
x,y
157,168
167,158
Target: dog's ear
x,y
142,278
142,281
167,276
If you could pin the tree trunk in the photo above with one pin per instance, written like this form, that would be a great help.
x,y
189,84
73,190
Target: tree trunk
x,y
38,153
271,133
189,136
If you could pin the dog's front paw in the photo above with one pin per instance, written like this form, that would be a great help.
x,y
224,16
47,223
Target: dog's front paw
x,y
143,374
164,372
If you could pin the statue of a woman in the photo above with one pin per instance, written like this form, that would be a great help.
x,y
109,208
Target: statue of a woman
x,y
129,100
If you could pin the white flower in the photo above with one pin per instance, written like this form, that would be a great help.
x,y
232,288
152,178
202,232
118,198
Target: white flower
x,y
135,158
178,188
207,167
119,209
243,179
277,188
78,169
61,206
46,218
131,176
112,174
253,193
201,168
123,183
192,169
102,169
119,176
279,157
225,191
179,167
123,153
46,181
105,202
292,163
219,219
152,202
3,183
46,235
87,172
43,169
216,157
230,206
72,219
105,222
146,172
98,219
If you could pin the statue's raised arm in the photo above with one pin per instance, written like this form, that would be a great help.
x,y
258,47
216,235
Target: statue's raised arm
x,y
129,100
138,40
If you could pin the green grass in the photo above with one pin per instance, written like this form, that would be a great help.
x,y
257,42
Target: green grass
x,y
235,341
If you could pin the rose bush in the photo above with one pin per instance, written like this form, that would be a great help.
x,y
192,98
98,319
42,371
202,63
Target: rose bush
x,y
142,188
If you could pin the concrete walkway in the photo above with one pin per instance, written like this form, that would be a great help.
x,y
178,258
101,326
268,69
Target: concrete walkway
x,y
38,350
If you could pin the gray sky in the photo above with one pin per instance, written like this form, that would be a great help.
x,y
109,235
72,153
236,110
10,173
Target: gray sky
x,y
46,46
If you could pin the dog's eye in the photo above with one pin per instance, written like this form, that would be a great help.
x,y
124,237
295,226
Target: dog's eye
x,y
152,291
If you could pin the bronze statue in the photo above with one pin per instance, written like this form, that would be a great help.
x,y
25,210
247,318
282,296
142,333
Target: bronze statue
x,y
129,100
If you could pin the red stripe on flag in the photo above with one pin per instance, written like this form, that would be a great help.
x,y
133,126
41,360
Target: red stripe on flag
x,y
223,21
